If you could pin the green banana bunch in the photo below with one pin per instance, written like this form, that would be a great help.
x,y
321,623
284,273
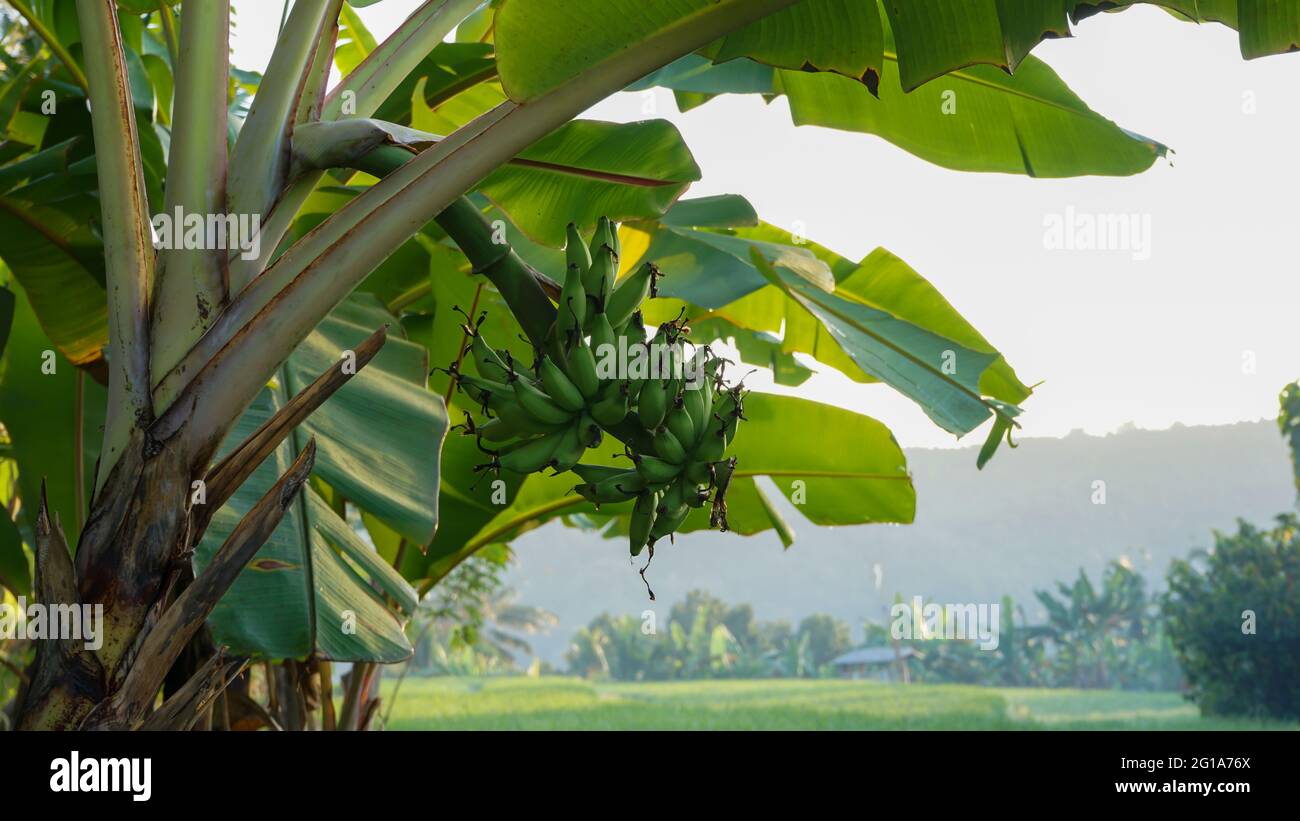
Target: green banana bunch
x,y
676,417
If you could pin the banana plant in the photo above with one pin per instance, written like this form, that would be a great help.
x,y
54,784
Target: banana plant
x,y
251,403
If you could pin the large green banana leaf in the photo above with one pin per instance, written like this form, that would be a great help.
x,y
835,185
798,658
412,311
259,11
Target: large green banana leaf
x,y
378,443
878,320
937,36
977,119
47,213
44,399
544,43
843,36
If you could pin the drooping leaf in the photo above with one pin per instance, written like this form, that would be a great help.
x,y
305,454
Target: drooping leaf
x,y
935,372
378,442
783,438
692,274
841,36
541,44
977,118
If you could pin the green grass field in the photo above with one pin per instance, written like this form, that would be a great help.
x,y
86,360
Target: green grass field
x,y
575,704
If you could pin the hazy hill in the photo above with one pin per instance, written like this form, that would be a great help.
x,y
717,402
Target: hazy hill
x,y
1026,520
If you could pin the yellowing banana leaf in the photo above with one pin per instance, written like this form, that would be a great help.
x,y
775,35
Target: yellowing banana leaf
x,y
312,587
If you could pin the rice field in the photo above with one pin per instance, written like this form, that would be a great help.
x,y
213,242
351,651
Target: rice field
x,y
554,703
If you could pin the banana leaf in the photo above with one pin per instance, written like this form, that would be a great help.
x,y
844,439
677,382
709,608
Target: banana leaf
x,y
44,400
316,586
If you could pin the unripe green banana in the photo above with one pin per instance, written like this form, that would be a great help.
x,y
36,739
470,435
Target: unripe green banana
x,y
612,409
532,455
667,520
674,496
599,281
712,446
560,387
618,488
572,310
679,422
576,250
697,496
643,521
655,470
589,432
487,362
699,473
498,430
513,415
652,403
723,408
602,236
569,450
602,333
481,390
540,406
697,395
633,329
599,473
732,419
669,447
582,369
630,293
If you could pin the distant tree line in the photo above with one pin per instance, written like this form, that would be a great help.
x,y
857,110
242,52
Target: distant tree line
x,y
1108,637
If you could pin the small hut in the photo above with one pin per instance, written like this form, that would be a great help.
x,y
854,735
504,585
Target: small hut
x,y
878,663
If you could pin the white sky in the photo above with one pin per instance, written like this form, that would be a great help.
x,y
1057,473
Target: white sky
x,y
1151,342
